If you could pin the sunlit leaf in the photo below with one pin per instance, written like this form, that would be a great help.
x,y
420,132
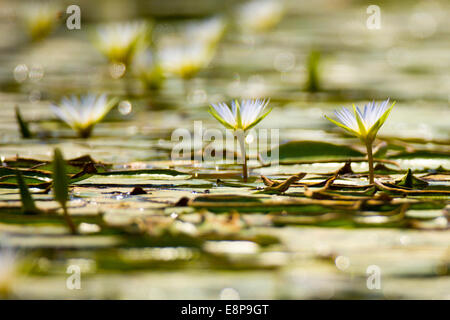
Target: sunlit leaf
x,y
23,126
60,178
28,205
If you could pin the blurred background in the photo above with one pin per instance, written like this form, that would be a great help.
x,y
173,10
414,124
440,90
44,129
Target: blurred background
x,y
166,61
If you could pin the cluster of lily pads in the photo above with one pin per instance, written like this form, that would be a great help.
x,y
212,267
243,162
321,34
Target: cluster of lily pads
x,y
131,48
325,199
131,45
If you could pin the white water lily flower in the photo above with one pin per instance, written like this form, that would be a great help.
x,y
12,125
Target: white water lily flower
x,y
185,59
8,269
244,115
81,114
40,19
208,31
241,117
260,15
120,41
363,123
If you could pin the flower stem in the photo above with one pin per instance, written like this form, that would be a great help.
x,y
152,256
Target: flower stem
x,y
85,133
244,169
241,139
370,159
73,229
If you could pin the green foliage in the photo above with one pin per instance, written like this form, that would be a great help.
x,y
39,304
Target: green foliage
x,y
168,172
60,179
28,206
422,154
61,187
315,150
410,181
23,126
313,66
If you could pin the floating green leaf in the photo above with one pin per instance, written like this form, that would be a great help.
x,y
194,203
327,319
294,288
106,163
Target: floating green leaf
x,y
410,181
422,154
315,150
156,172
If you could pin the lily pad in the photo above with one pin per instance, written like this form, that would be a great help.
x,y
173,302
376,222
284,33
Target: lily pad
x,y
315,150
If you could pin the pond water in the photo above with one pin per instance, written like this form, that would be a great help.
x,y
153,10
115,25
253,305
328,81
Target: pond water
x,y
198,230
